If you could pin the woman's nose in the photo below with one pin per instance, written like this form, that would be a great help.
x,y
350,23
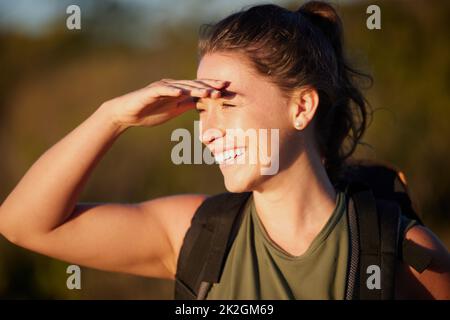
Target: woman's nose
x,y
210,131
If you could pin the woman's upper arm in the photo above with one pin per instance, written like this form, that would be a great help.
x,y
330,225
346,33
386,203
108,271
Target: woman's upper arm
x,y
142,239
175,219
434,281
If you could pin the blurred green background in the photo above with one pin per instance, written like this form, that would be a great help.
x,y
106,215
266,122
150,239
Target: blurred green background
x,y
51,79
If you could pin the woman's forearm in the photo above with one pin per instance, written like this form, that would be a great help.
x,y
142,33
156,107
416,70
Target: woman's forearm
x,y
48,192
46,196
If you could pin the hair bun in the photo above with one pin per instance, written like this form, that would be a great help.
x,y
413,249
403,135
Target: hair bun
x,y
320,9
325,17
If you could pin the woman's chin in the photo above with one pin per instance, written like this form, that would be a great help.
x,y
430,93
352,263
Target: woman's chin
x,y
238,178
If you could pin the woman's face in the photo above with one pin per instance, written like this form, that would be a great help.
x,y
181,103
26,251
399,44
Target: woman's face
x,y
250,103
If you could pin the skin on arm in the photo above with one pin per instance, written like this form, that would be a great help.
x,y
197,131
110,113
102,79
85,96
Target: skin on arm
x,y
42,213
433,282
142,239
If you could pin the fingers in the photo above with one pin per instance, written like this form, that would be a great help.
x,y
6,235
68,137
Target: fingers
x,y
176,90
197,91
200,87
213,83
209,83
164,90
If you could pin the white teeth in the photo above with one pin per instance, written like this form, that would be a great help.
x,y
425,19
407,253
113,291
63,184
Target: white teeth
x,y
218,157
227,155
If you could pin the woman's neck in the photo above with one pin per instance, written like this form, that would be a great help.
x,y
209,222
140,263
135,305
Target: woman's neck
x,y
295,204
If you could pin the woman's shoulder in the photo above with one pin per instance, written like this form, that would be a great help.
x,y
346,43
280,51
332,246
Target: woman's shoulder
x,y
174,214
434,281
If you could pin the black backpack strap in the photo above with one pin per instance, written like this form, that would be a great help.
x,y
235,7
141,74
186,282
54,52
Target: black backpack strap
x,y
390,216
206,244
375,225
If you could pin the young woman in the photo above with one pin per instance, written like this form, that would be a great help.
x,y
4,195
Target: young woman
x,y
265,67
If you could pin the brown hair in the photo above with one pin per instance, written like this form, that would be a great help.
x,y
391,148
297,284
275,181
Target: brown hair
x,y
296,49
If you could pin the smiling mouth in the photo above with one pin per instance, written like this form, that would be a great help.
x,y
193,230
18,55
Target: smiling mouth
x,y
228,156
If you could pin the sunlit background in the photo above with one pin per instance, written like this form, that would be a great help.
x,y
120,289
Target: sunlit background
x,y
52,78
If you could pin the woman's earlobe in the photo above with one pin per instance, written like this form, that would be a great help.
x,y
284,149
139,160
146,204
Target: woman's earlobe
x,y
298,124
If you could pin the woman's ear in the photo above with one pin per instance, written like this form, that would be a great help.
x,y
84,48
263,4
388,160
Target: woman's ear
x,y
304,104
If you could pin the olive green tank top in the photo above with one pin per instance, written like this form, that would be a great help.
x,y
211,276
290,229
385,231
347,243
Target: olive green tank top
x,y
257,268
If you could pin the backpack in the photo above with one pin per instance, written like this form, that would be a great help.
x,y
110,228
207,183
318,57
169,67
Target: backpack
x,y
379,210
